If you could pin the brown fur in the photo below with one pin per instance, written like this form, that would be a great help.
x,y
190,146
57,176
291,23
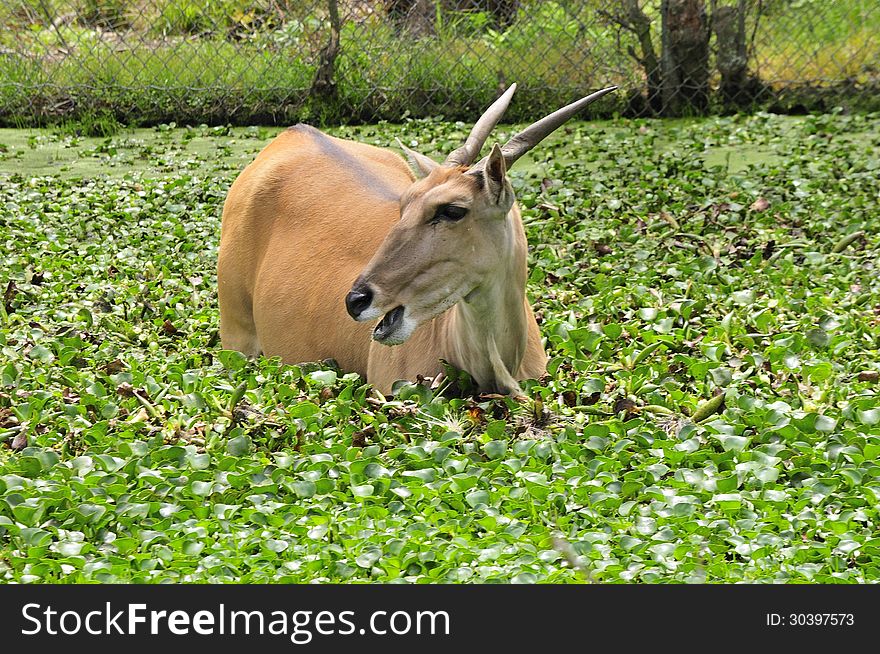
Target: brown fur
x,y
304,220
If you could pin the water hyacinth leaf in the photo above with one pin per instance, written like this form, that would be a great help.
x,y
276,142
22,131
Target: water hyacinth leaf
x,y
363,490
477,498
495,449
232,359
324,377
869,417
825,424
34,537
303,409
304,488
708,414
276,545
818,337
238,446
734,443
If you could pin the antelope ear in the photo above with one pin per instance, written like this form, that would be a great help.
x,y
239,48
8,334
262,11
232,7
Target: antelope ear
x,y
494,173
419,164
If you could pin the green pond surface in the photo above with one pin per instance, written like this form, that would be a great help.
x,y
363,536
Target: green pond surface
x,y
164,150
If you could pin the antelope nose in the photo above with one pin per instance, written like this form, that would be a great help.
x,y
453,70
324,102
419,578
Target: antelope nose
x,y
358,299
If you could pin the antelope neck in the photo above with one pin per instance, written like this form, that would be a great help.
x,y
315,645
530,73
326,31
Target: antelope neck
x,y
486,333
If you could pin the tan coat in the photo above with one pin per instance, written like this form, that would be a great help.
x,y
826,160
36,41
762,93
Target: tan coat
x,y
313,214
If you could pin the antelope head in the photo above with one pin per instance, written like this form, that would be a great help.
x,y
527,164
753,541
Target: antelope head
x,y
455,236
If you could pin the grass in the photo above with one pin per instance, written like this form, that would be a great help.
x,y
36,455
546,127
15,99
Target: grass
x,y
708,293
821,43
224,64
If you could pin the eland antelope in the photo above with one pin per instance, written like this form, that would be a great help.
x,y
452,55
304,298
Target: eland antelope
x,y
319,230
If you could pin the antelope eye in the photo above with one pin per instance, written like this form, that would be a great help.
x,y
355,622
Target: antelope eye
x,y
450,213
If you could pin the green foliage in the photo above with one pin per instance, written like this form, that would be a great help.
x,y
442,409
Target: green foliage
x,y
672,264
107,14
101,123
232,17
254,61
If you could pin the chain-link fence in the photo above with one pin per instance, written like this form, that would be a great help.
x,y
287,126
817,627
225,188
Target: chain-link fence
x,y
279,61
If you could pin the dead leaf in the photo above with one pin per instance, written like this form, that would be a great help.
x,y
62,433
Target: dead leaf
x,y
761,204
626,405
125,390
19,442
476,413
7,418
360,438
9,295
326,394
590,400
114,367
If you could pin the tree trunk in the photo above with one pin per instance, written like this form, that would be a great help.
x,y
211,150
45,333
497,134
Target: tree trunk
x,y
324,84
641,26
738,87
415,17
731,58
685,56
629,16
